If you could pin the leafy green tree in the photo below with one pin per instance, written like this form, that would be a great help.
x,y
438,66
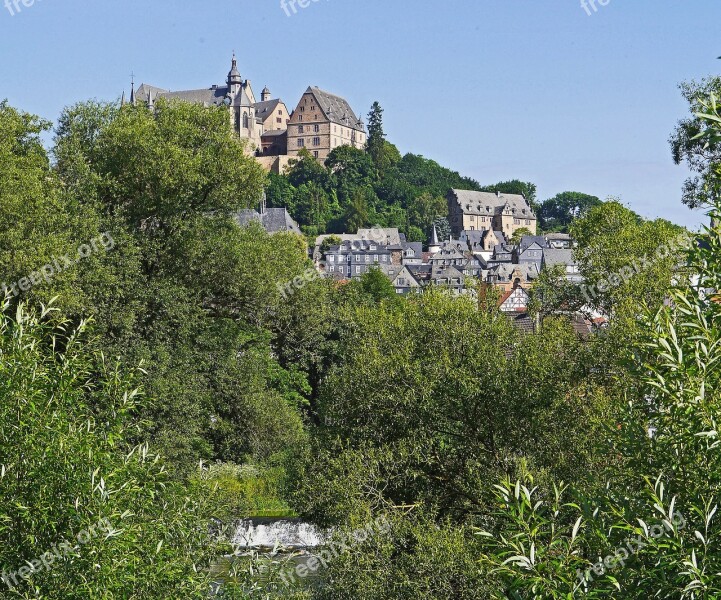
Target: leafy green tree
x,y
413,175
412,419
557,213
351,170
701,154
157,170
377,286
436,561
415,234
519,234
84,513
356,213
312,205
425,209
375,144
627,263
280,193
306,169
331,240
40,223
167,184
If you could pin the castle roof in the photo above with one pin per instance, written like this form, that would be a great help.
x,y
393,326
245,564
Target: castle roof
x,y
266,108
490,204
213,96
336,109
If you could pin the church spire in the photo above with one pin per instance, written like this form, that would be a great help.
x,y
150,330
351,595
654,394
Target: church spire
x,y
435,245
234,75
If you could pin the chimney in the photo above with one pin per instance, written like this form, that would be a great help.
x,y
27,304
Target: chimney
x,y
498,194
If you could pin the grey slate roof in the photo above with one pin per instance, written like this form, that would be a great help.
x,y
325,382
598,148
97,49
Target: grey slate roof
x,y
554,256
273,220
528,240
448,254
504,271
267,108
213,96
275,133
336,109
489,204
447,272
382,235
417,247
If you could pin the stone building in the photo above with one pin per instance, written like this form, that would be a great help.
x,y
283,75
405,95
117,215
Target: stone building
x,y
237,95
477,211
275,117
272,112
322,122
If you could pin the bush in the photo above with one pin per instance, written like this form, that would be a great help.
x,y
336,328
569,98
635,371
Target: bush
x,y
68,476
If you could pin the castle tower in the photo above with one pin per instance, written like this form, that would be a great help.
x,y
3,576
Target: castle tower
x,y
235,81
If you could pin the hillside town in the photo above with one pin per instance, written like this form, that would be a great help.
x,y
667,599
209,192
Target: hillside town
x,y
482,247
483,253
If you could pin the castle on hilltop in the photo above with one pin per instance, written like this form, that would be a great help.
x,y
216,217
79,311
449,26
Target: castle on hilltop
x,y
320,122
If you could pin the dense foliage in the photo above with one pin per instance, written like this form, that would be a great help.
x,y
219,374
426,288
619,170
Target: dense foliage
x,y
357,189
270,391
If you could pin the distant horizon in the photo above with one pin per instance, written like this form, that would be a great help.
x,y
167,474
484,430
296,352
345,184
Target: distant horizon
x,y
567,98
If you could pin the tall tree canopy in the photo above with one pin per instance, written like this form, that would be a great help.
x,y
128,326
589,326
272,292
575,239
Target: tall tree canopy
x,y
701,154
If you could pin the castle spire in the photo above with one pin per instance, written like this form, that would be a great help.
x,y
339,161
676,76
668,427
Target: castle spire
x,y
234,75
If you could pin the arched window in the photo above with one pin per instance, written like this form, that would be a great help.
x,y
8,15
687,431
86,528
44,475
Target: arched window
x,y
237,121
245,120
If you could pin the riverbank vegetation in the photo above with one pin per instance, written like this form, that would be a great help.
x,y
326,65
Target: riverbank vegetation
x,y
166,384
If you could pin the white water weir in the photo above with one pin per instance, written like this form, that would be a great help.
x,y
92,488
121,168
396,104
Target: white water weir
x,y
269,533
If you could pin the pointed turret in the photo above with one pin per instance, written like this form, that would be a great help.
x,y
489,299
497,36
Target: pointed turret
x,y
151,102
132,93
435,245
122,99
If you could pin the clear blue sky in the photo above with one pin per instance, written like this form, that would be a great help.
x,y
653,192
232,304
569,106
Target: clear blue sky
x,y
496,89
